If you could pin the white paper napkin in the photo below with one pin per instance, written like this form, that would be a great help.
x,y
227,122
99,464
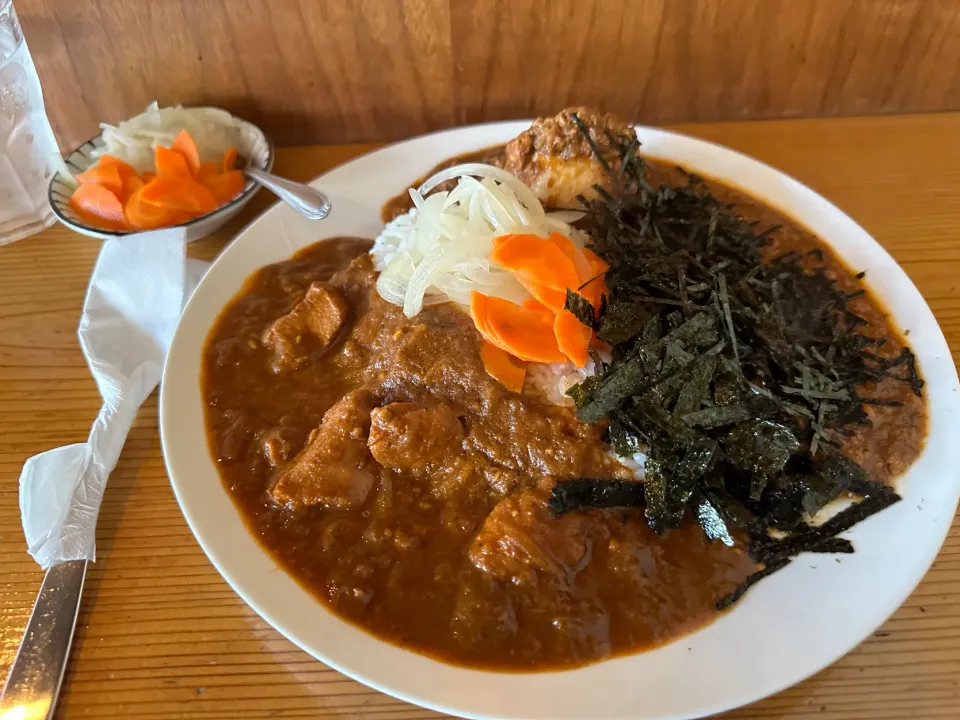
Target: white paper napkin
x,y
136,294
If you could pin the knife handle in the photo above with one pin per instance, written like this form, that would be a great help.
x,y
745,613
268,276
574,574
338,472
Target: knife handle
x,y
34,682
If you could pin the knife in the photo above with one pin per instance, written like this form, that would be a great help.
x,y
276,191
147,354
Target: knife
x,y
33,685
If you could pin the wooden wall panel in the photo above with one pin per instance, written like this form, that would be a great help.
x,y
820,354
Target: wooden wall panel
x,y
355,70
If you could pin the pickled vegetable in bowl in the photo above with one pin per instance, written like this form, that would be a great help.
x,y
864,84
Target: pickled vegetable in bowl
x,y
179,187
148,146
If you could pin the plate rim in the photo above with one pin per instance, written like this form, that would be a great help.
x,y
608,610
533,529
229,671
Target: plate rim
x,y
508,130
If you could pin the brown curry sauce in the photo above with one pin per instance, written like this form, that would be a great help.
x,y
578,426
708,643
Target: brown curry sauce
x,y
404,565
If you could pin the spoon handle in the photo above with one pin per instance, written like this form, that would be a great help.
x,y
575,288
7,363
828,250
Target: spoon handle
x,y
308,201
34,681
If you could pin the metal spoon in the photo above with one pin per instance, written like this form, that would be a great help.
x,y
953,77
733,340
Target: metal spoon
x,y
308,201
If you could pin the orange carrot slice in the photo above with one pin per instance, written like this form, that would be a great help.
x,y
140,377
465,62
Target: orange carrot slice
x,y
590,268
141,215
502,367
479,307
132,184
597,263
593,292
575,254
185,145
225,186
545,292
99,223
573,337
534,304
479,310
494,318
98,201
594,287
148,176
230,159
536,259
550,298
502,238
171,162
107,176
526,334
207,170
177,192
125,169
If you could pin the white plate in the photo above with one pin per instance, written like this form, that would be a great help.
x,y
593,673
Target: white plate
x,y
788,627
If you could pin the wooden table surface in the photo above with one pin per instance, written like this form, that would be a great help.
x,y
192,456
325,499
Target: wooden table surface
x,y
355,70
162,635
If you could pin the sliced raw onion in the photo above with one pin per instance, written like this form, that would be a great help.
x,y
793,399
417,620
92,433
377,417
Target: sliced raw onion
x,y
524,194
439,249
134,140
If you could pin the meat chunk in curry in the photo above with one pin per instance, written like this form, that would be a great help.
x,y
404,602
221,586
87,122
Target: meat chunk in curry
x,y
335,468
521,534
552,158
555,160
278,445
414,436
320,314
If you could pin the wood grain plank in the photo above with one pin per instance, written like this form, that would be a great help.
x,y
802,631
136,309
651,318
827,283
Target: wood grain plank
x,y
349,70
161,634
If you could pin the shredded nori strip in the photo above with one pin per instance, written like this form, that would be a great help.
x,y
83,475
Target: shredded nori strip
x,y
768,549
729,599
595,493
738,375
581,308
711,519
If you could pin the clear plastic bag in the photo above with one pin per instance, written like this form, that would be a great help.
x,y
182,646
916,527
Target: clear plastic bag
x,y
28,150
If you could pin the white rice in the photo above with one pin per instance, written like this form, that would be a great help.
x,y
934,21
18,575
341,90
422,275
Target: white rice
x,y
636,463
554,380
